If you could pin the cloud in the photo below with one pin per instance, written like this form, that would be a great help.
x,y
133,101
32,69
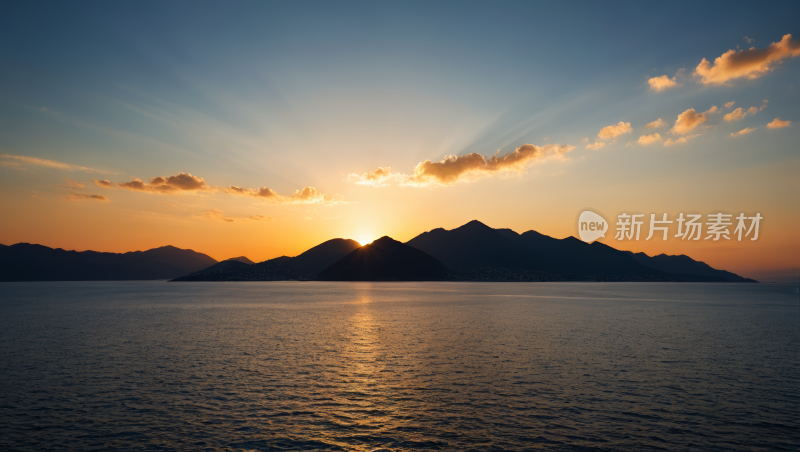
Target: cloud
x,y
741,113
748,40
585,140
663,82
180,182
750,64
689,120
35,161
777,123
744,131
595,146
459,168
729,104
15,165
308,195
377,178
646,140
103,183
72,184
615,131
216,215
681,140
658,123
84,196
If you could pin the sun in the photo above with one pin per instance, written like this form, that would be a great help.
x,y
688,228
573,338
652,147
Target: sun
x,y
364,240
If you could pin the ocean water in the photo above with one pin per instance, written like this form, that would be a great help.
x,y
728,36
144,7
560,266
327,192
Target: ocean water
x,y
399,366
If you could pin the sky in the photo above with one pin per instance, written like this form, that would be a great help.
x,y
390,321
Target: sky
x,y
265,128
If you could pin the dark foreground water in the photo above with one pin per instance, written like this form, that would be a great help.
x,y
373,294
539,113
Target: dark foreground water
x,y
399,366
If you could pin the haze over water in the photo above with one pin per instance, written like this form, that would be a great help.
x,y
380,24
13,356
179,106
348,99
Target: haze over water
x,y
399,366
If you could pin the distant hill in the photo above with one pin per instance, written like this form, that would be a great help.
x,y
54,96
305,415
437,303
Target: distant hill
x,y
385,259
683,264
475,246
302,267
29,262
241,259
479,252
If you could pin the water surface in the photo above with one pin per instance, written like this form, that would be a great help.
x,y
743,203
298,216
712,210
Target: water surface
x,y
399,366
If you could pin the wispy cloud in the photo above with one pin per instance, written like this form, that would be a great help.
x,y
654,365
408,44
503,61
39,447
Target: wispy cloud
x,y
614,131
73,184
744,131
595,146
681,140
35,161
84,197
219,215
377,178
778,124
308,195
750,64
729,104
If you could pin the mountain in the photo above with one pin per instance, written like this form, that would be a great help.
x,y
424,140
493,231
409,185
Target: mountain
x,y
308,264
475,247
685,265
29,262
479,252
242,259
302,267
385,259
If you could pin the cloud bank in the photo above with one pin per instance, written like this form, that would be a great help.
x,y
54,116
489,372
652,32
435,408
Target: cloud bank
x,y
750,64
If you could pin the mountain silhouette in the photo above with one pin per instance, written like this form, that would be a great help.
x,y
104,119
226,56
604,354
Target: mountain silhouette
x,y
242,259
682,264
478,249
29,262
303,267
385,259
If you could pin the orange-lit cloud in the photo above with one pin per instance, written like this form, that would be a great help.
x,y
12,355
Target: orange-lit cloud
x,y
741,113
377,178
456,168
744,131
750,64
170,184
681,140
15,165
646,140
690,120
83,197
216,215
729,104
595,146
103,183
614,131
658,123
35,161
72,184
663,82
308,195
777,123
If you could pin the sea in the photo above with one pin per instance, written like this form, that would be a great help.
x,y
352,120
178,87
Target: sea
x,y
458,366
